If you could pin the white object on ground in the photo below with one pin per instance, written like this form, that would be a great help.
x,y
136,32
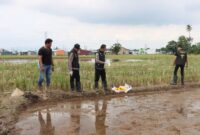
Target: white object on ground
x,y
126,88
17,93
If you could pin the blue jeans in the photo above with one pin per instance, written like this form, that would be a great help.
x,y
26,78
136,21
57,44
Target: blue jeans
x,y
45,73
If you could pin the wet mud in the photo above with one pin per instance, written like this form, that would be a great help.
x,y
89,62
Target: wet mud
x,y
160,113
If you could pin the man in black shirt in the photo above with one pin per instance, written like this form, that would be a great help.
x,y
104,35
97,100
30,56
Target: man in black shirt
x,y
180,61
45,63
74,67
100,71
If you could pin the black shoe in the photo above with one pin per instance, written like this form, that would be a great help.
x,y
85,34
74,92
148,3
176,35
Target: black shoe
x,y
106,91
79,91
182,80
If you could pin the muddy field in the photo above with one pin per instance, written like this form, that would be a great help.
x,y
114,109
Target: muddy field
x,y
161,113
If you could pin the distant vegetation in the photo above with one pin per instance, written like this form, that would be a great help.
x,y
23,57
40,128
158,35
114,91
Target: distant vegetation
x,y
116,48
185,42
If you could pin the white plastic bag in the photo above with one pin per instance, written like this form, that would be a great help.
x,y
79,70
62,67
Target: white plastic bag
x,y
126,88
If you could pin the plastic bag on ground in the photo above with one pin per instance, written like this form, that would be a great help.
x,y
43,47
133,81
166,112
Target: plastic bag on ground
x,y
126,88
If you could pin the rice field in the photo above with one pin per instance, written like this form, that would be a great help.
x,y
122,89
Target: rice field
x,y
147,70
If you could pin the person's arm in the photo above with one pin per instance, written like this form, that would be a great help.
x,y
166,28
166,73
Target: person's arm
x,y
71,56
40,63
186,60
52,63
40,55
99,61
174,62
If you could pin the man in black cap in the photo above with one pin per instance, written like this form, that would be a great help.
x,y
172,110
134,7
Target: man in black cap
x,y
100,71
45,63
180,61
74,67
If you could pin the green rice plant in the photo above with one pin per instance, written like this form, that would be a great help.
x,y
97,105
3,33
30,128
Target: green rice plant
x,y
153,70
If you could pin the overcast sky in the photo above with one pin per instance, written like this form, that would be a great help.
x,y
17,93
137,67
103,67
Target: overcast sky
x,y
133,23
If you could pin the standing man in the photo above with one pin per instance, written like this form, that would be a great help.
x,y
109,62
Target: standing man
x,y
180,61
45,63
100,71
74,67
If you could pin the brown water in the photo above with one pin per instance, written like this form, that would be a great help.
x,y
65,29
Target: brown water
x,y
170,113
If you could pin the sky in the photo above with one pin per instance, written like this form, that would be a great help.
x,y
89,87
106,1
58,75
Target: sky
x,y
133,23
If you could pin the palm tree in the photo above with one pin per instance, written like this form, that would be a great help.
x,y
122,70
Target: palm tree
x,y
189,29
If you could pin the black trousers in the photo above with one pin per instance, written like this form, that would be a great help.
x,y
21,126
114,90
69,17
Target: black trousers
x,y
75,77
176,69
182,67
100,73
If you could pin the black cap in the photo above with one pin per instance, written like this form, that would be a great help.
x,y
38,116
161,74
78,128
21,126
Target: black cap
x,y
103,46
77,46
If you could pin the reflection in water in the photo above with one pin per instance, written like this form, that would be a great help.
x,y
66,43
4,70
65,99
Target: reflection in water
x,y
100,118
75,118
155,114
46,128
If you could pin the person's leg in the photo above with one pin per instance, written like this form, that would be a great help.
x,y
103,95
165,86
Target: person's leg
x,y
48,75
78,82
72,82
175,77
41,79
103,78
182,74
97,76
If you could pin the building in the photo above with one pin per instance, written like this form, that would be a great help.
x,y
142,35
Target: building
x,y
31,53
135,51
151,51
59,52
124,50
5,52
85,52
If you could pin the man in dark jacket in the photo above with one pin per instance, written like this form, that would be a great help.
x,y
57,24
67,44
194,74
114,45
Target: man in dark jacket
x,y
100,68
45,63
74,67
180,61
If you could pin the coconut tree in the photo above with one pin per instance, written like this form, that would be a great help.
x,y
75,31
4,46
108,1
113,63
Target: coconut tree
x,y
189,29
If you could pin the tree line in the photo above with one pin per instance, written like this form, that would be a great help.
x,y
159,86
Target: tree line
x,y
183,41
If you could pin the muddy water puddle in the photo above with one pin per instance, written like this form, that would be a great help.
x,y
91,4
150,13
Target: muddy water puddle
x,y
171,113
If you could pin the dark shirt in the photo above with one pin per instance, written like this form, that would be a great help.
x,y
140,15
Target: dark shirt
x,y
46,55
181,58
101,57
73,60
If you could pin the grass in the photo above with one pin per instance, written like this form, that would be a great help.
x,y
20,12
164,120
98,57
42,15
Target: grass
x,y
154,70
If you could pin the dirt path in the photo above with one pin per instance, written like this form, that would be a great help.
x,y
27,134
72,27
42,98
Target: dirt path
x,y
161,113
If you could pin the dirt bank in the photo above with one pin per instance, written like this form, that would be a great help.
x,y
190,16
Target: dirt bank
x,y
10,109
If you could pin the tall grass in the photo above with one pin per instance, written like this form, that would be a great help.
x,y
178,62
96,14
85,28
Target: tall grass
x,y
154,70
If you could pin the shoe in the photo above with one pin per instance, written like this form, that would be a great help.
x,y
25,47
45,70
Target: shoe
x,y
106,92
174,81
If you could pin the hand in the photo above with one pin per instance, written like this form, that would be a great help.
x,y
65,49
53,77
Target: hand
x,y
108,63
71,73
41,68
